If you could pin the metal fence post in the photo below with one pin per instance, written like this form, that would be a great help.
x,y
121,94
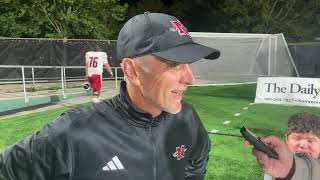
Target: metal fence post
x,y
32,69
65,77
62,84
116,77
26,100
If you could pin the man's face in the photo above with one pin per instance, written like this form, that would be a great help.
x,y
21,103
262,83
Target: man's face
x,y
305,143
162,84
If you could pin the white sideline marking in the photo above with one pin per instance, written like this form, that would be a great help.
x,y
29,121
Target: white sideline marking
x,y
245,108
237,114
227,122
251,104
214,131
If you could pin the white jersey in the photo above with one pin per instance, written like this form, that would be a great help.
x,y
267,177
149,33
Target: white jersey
x,y
95,61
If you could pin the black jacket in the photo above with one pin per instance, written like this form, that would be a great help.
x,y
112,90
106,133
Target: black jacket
x,y
112,140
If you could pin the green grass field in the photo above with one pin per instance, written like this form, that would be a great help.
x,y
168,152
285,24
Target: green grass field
x,y
229,158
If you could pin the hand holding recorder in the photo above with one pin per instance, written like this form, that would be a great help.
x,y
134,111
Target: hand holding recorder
x,y
276,159
259,145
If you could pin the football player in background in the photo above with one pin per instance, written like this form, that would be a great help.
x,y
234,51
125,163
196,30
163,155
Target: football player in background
x,y
95,60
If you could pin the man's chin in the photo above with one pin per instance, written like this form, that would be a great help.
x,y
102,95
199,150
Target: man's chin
x,y
174,110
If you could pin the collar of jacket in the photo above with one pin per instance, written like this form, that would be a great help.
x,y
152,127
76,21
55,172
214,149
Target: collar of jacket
x,y
136,116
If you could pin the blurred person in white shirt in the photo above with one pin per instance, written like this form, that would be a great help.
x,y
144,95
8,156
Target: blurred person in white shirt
x,y
95,60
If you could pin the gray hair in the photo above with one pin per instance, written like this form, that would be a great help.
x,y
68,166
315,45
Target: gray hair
x,y
142,62
304,122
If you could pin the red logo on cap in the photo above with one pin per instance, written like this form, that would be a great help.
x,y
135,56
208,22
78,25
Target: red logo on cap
x,y
180,27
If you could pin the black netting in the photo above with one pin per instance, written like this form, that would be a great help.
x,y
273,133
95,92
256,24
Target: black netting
x,y
39,52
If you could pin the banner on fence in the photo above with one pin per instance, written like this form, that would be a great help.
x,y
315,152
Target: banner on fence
x,y
288,91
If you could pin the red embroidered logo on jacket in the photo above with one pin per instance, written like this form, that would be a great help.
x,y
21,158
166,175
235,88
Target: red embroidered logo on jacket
x,y
180,27
179,154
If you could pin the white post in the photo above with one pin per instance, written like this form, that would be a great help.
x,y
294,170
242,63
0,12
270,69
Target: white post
x,y
257,54
32,69
62,84
269,58
65,77
294,65
116,76
24,86
275,54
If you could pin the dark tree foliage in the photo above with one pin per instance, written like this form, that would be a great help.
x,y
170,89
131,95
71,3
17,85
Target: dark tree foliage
x,y
298,19
80,19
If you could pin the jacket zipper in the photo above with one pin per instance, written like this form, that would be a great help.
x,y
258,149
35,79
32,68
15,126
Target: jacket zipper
x,y
154,153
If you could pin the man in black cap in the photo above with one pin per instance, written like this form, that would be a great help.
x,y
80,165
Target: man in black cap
x,y
145,133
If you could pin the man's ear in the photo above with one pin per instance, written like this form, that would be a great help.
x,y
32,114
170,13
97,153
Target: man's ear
x,y
129,71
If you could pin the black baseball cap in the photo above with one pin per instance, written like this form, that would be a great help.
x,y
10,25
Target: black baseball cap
x,y
161,35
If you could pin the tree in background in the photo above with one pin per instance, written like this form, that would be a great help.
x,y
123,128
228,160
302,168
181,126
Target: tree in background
x,y
297,19
146,5
78,19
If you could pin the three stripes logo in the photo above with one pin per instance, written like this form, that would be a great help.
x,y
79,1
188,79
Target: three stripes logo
x,y
113,165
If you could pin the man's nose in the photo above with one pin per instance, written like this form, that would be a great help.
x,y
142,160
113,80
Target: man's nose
x,y
188,76
303,144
